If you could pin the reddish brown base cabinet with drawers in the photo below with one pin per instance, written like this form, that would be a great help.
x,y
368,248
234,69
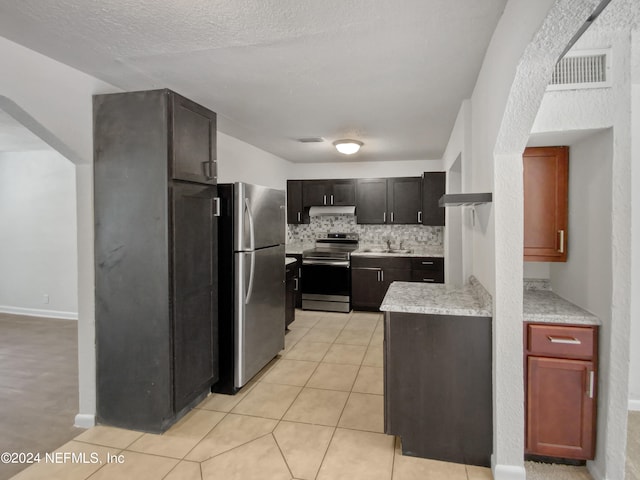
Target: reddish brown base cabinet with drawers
x,y
560,382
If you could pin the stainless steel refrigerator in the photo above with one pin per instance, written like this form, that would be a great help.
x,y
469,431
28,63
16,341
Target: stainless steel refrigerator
x,y
251,281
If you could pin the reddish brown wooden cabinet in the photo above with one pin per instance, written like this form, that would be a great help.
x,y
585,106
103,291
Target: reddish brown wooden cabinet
x,y
560,382
546,185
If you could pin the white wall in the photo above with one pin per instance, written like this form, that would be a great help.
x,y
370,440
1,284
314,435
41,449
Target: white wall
x,y
54,101
518,63
407,168
634,367
585,279
38,253
458,234
589,110
239,161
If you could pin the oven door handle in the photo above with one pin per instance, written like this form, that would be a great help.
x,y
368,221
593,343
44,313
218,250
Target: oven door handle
x,y
329,263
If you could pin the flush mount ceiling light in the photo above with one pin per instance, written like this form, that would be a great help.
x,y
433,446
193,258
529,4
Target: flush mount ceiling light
x,y
347,147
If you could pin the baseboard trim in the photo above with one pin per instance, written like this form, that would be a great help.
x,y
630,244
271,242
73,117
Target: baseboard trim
x,y
36,312
509,472
634,405
596,474
85,420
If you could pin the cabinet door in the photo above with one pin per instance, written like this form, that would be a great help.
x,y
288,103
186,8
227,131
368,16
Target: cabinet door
x,y
404,199
433,187
371,200
546,171
343,192
194,142
315,193
560,407
295,210
366,288
390,275
298,285
195,306
292,281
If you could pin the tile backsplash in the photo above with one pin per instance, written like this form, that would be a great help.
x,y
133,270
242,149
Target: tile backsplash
x,y
369,234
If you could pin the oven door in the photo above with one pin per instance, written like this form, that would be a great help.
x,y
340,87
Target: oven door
x,y
326,278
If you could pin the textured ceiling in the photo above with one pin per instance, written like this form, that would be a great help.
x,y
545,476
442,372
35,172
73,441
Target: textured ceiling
x,y
14,137
392,74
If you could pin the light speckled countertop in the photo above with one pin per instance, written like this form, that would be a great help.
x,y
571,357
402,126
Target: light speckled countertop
x,y
289,260
544,306
297,248
416,251
438,299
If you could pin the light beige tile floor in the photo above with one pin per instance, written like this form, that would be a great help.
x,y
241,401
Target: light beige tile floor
x,y
315,413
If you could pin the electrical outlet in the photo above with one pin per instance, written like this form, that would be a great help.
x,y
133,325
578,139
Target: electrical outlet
x,y
45,298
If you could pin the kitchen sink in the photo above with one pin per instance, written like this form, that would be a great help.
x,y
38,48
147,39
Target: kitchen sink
x,y
385,250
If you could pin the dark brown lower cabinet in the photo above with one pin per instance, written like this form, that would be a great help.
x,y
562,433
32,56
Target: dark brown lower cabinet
x,y
437,386
298,289
292,287
371,276
561,382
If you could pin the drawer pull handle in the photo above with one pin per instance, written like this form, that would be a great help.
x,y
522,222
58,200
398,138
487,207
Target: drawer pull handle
x,y
564,340
591,383
427,263
561,249
428,280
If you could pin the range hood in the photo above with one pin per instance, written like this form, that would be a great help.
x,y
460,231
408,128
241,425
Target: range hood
x,y
458,199
332,210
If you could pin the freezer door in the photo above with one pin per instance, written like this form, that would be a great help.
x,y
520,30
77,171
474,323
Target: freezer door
x,y
260,310
259,217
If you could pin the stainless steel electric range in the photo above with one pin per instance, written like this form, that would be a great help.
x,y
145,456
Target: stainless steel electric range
x,y
326,273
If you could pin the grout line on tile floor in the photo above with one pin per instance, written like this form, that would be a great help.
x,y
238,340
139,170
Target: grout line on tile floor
x,y
281,452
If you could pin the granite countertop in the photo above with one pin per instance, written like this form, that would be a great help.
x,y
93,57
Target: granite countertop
x,y
289,260
438,299
416,251
296,248
545,306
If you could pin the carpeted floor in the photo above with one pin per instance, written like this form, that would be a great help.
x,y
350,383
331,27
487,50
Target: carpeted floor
x,y
38,385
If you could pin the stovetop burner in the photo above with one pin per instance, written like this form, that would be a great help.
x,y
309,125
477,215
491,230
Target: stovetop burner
x,y
333,246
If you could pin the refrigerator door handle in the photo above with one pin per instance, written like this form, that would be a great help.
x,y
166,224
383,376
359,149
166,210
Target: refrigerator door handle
x,y
252,233
252,268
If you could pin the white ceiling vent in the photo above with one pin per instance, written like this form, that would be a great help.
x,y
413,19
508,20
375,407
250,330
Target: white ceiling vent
x,y
582,69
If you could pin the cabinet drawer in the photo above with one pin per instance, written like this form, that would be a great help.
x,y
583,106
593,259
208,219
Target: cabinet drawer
x,y
433,264
381,262
427,276
561,341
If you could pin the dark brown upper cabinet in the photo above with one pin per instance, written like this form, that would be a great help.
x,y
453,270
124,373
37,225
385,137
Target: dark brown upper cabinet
x,y
194,141
404,200
328,192
433,187
371,200
546,186
295,208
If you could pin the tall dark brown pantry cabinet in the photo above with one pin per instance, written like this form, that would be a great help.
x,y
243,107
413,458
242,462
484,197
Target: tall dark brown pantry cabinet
x,y
156,257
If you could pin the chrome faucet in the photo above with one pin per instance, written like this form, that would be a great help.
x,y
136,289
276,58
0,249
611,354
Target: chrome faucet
x,y
400,247
388,244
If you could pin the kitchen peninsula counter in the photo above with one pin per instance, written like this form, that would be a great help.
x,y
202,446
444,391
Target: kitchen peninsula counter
x,y
438,299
